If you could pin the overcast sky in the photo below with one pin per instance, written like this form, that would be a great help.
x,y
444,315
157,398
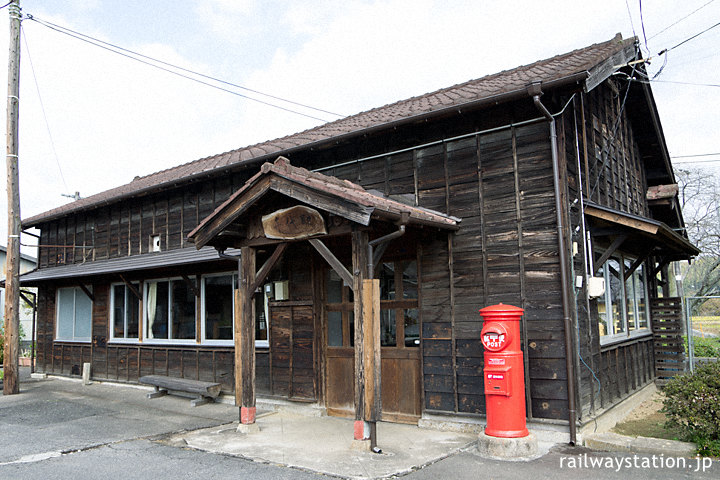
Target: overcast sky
x,y
111,118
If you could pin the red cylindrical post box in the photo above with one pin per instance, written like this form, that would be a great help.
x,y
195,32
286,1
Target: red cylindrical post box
x,y
503,371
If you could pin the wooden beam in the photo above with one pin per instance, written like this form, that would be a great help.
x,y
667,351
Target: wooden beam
x,y
27,300
613,247
635,265
267,266
87,292
245,338
130,286
620,219
334,262
192,285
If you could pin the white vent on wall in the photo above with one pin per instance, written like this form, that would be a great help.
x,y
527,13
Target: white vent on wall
x,y
155,243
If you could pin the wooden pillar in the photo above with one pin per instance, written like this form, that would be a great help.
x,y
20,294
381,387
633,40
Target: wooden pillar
x,y
371,350
245,338
367,350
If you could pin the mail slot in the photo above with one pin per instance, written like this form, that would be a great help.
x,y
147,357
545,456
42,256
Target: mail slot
x,y
504,371
497,381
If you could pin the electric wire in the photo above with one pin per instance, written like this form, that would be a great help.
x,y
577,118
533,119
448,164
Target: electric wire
x,y
42,108
697,155
209,77
688,39
680,20
139,58
642,24
6,5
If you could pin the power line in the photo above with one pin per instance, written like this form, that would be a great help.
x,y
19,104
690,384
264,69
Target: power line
x,y
42,108
642,24
688,39
697,161
138,57
683,18
698,155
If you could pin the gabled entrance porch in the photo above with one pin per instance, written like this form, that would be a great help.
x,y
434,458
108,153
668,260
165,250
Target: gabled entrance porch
x,y
284,205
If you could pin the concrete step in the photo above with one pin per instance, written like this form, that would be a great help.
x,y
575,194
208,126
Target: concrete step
x,y
613,442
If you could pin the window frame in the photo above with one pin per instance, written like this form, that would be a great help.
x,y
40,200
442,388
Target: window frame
x,y
146,327
141,306
627,333
74,338
203,327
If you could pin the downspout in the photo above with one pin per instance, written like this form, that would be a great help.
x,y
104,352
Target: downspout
x,y
534,90
380,241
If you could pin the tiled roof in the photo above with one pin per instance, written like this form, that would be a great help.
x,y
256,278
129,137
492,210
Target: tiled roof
x,y
550,70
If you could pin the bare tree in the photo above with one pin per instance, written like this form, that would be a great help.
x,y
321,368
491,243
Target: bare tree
x,y
699,194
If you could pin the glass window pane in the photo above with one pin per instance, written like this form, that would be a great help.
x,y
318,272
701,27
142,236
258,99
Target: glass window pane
x,y
387,328
83,315
410,279
118,313
630,300
132,309
351,316
641,297
334,287
387,281
412,327
604,324
66,313
183,311
219,307
157,309
616,295
335,329
260,319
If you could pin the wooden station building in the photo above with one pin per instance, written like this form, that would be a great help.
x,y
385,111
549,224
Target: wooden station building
x,y
344,266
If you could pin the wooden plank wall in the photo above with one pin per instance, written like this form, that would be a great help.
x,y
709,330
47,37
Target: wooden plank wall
x,y
500,184
125,229
602,156
128,362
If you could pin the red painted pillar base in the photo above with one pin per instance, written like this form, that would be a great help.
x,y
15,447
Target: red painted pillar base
x,y
247,415
362,430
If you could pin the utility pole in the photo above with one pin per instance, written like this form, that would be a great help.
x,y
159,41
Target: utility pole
x,y
12,287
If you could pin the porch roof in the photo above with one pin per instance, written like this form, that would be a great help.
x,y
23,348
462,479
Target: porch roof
x,y
148,261
339,197
643,235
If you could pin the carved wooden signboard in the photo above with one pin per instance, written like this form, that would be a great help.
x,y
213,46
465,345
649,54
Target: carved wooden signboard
x,y
293,223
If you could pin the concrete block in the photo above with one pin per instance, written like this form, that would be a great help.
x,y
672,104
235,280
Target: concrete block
x,y
507,448
86,373
246,428
38,376
360,445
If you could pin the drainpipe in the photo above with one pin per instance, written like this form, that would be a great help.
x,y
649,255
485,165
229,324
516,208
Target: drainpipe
x,y
535,91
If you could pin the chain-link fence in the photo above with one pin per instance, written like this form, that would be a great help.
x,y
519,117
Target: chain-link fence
x,y
702,335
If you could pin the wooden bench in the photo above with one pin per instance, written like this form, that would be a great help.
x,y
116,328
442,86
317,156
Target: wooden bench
x,y
206,391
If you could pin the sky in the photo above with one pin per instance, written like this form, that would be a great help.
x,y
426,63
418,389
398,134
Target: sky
x,y
91,119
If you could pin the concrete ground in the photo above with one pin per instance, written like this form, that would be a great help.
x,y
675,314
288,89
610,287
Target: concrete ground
x,y
61,429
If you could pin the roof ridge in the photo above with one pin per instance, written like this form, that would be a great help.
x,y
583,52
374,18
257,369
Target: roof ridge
x,y
457,95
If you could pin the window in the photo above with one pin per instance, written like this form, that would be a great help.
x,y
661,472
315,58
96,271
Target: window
x,y
169,310
623,309
74,315
218,307
218,311
399,323
125,312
